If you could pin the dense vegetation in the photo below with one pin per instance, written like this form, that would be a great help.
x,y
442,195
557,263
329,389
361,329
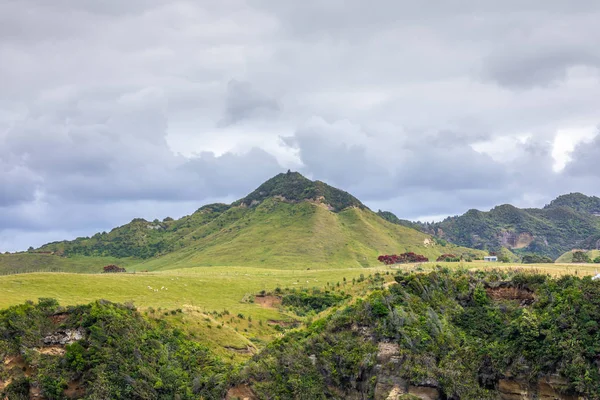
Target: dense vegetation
x,y
292,186
570,221
121,355
460,332
304,301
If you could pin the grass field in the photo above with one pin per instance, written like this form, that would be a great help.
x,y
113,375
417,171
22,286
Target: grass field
x,y
556,269
214,301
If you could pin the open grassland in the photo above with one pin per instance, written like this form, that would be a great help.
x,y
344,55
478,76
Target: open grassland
x,y
556,269
215,288
216,304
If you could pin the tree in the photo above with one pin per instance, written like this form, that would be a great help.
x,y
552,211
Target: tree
x,y
581,257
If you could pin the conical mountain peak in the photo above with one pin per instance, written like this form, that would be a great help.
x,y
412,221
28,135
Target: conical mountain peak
x,y
294,187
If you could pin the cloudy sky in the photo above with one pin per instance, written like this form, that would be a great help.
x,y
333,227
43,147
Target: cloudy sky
x,y
111,110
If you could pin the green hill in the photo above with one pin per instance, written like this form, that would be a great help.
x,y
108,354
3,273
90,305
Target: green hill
x,y
570,221
568,256
287,222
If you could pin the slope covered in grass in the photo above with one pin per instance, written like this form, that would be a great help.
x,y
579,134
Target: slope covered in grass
x,y
278,234
568,256
287,222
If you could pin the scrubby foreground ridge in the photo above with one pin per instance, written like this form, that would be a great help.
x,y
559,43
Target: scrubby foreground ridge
x,y
442,335
445,335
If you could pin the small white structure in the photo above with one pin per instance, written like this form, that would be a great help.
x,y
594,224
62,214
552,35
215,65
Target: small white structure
x,y
596,277
490,258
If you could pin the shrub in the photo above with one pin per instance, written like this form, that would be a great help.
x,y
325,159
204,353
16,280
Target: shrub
x,y
448,258
403,258
113,269
536,259
581,257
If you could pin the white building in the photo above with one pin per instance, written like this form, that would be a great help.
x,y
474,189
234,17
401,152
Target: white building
x,y
490,258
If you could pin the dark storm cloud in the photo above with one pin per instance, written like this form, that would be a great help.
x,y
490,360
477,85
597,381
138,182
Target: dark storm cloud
x,y
115,109
585,160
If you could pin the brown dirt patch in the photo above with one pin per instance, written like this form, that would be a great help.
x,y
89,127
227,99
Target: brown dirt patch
x,y
245,350
35,393
74,390
268,301
241,392
284,324
4,384
52,350
59,318
14,361
523,296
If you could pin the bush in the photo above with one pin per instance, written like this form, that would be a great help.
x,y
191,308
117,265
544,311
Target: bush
x,y
581,257
448,258
536,259
113,269
597,260
403,258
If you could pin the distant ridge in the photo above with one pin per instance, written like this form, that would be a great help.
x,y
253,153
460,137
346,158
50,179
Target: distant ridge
x,y
570,221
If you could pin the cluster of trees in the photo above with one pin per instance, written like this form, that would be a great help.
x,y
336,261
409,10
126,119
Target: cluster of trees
x,y
295,187
536,259
403,258
448,258
113,269
314,301
123,355
581,257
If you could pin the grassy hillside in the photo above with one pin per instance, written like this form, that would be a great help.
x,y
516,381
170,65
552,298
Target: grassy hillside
x,y
570,221
277,234
287,222
568,256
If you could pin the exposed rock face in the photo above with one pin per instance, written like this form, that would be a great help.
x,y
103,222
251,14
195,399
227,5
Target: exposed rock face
x,y
548,388
391,386
515,240
64,337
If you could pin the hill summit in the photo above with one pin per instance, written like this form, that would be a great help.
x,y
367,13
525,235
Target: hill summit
x,y
294,187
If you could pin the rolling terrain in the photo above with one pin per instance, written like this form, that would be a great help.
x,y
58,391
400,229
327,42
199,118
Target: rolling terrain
x,y
287,222
568,222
